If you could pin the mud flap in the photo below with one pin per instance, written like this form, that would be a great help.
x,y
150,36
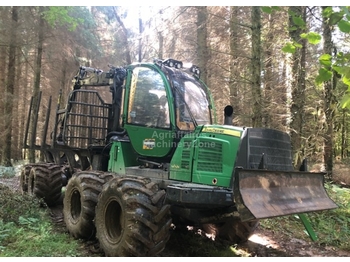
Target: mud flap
x,y
264,194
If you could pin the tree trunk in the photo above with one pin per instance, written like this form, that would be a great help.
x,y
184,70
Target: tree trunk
x,y
36,87
16,146
125,37
234,47
10,89
298,86
24,114
140,37
343,134
3,63
161,45
256,67
202,47
269,75
329,100
173,44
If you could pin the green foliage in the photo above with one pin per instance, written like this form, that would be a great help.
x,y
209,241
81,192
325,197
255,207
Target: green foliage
x,y
60,16
299,23
335,18
344,26
266,9
87,36
327,12
35,238
270,9
334,226
345,101
323,76
338,18
325,60
289,47
7,172
312,37
297,20
4,233
26,229
340,65
346,81
12,205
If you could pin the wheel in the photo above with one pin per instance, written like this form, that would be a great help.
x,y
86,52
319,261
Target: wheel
x,y
233,230
24,178
45,181
131,218
80,200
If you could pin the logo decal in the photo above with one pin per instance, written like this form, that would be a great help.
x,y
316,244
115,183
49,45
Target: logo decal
x,y
222,131
149,143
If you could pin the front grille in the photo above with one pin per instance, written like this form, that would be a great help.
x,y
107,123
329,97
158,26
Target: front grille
x,y
186,154
210,157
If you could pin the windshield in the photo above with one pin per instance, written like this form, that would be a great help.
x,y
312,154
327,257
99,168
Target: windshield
x,y
191,102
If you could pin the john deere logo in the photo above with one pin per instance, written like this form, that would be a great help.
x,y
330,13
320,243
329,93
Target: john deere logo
x,y
222,131
149,143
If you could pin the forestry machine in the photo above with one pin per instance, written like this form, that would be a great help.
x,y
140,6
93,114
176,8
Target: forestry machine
x,y
136,152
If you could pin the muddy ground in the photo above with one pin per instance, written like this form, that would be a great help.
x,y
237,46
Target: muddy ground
x,y
264,243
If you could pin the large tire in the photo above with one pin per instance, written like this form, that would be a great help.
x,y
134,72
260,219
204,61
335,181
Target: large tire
x,y
233,230
80,201
131,218
45,181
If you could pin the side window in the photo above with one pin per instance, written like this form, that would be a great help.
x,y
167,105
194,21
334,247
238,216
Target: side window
x,y
148,105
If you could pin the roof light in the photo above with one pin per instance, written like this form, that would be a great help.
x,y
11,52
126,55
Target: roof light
x,y
173,63
195,70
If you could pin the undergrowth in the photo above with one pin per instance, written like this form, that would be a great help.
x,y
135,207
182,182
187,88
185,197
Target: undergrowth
x,y
26,229
7,172
332,227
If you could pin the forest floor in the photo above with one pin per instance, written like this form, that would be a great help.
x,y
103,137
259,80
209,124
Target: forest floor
x,y
264,243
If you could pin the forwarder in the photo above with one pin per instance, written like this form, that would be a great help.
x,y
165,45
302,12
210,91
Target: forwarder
x,y
151,154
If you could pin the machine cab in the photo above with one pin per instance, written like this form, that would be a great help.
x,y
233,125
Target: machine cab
x,y
162,103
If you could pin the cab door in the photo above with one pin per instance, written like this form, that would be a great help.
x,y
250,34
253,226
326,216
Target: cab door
x,y
149,112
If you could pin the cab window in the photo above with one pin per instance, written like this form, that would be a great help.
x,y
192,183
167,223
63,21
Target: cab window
x,y
148,104
192,105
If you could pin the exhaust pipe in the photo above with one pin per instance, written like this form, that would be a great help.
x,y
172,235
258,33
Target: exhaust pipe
x,y
228,114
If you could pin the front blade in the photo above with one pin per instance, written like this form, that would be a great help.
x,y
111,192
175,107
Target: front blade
x,y
263,194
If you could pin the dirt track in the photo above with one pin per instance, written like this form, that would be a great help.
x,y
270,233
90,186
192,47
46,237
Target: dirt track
x,y
264,243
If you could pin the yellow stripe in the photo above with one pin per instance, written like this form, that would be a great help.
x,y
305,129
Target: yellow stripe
x,y
221,131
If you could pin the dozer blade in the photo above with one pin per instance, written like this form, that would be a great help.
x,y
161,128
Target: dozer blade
x,y
264,194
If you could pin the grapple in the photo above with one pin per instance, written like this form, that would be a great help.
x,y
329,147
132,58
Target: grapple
x,y
264,194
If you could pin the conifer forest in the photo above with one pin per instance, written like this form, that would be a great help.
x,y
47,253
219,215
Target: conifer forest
x,y
286,68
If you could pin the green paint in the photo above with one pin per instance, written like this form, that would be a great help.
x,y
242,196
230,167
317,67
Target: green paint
x,y
122,155
181,163
206,157
308,226
140,136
